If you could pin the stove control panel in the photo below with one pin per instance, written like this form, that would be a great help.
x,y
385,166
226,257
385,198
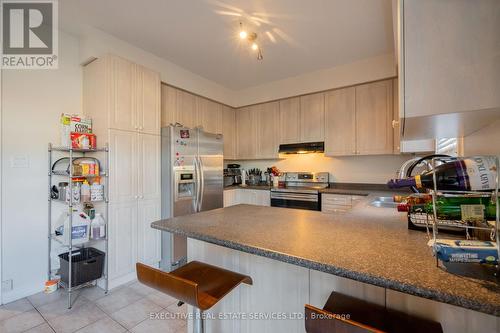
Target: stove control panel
x,y
307,177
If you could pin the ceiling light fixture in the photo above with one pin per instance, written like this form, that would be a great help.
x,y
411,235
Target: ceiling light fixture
x,y
251,37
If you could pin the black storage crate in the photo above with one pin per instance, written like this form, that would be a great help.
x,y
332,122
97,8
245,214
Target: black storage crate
x,y
87,265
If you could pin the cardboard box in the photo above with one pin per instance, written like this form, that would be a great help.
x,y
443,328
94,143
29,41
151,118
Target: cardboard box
x,y
83,140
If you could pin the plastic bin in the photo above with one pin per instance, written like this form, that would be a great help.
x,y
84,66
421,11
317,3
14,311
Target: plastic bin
x,y
87,265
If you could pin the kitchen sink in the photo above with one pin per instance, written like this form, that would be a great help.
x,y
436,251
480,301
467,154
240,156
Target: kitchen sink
x,y
384,202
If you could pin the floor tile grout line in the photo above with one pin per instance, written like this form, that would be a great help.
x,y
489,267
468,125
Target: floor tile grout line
x,y
44,319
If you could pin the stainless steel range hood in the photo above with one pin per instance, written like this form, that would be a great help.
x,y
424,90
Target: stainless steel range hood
x,y
302,148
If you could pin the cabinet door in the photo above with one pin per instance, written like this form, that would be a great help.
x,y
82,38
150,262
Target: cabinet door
x,y
168,105
245,132
122,113
289,122
340,122
395,122
229,132
209,115
185,112
230,197
148,166
148,239
312,117
122,231
264,198
267,121
374,118
123,166
148,100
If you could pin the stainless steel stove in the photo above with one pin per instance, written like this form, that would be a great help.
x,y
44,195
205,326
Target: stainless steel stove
x,y
301,190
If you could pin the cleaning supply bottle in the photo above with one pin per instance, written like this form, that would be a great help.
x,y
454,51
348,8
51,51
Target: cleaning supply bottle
x,y
98,227
85,192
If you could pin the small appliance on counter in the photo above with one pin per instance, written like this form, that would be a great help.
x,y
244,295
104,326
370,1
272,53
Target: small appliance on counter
x,y
232,175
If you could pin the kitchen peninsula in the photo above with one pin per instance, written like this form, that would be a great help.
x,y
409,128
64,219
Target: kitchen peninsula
x,y
297,257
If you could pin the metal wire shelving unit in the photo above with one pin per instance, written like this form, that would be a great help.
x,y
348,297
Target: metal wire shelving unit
x,y
433,223
72,154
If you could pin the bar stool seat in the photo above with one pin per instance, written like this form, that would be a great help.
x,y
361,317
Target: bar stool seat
x,y
198,284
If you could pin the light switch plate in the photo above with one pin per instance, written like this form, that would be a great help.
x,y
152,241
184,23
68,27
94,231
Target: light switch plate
x,y
20,161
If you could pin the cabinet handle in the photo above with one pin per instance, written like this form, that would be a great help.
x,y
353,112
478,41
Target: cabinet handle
x,y
140,127
135,127
136,197
395,123
141,197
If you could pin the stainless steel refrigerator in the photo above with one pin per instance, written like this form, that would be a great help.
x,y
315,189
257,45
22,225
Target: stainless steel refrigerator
x,y
191,182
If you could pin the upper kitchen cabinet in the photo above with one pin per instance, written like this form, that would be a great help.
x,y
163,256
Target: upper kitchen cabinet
x,y
312,117
289,111
449,68
359,120
168,105
374,115
229,132
340,122
120,80
246,132
267,120
148,92
119,94
209,115
185,111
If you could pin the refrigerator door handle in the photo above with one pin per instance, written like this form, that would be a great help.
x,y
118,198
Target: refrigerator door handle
x,y
196,185
202,184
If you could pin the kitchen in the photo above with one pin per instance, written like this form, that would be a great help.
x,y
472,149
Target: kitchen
x,y
260,152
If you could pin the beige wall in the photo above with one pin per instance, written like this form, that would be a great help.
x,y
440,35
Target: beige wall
x,y
486,141
32,101
366,70
349,169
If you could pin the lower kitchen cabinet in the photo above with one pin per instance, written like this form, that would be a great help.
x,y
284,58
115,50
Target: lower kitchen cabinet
x,y
122,231
337,203
134,174
148,239
230,198
247,196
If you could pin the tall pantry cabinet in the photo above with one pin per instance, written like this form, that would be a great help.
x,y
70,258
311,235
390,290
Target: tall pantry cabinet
x,y
123,100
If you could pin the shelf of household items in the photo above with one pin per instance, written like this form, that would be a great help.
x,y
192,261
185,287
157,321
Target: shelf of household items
x,y
79,203
60,239
88,263
422,215
66,174
477,213
78,150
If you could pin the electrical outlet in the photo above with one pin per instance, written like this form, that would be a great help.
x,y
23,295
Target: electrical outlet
x,y
7,285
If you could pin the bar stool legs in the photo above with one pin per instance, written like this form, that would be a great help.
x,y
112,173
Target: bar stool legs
x,y
198,321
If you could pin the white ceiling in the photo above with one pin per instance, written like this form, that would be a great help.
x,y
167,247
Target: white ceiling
x,y
201,35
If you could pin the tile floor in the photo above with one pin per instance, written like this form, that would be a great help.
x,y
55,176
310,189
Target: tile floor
x,y
129,308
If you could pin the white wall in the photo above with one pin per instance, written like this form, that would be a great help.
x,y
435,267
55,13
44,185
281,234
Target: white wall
x,y
372,69
32,101
349,169
95,43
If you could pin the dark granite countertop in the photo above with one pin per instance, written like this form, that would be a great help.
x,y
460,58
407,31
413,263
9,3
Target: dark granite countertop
x,y
344,191
249,187
367,244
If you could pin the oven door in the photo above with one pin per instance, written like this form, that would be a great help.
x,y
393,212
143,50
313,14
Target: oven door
x,y
296,200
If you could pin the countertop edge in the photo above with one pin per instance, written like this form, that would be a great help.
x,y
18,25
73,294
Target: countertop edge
x,y
342,272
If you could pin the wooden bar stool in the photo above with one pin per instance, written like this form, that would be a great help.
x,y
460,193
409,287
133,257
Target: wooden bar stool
x,y
196,283
346,314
